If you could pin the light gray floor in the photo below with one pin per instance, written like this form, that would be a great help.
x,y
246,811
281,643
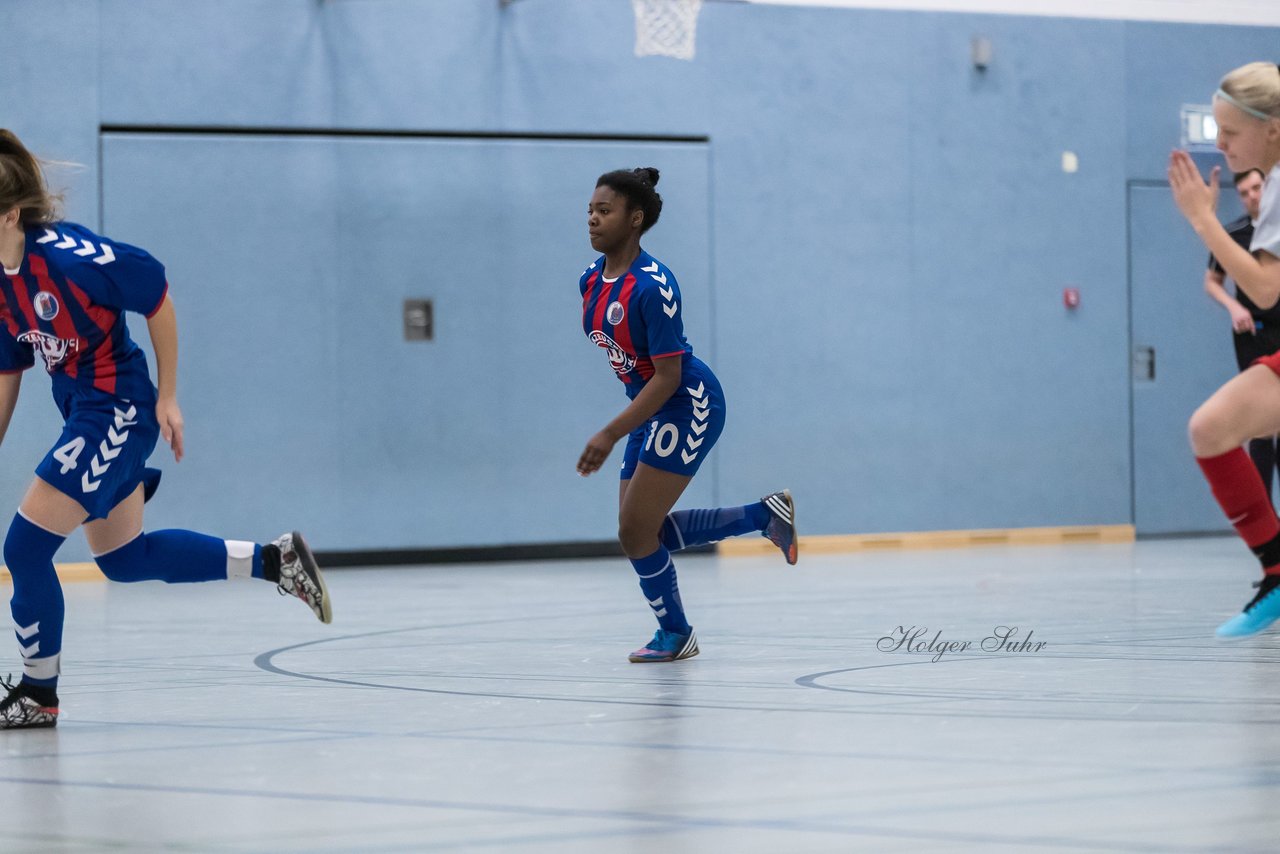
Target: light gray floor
x,y
491,708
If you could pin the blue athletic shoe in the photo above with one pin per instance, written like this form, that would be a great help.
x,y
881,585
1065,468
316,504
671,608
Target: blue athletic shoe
x,y
1258,614
782,524
667,646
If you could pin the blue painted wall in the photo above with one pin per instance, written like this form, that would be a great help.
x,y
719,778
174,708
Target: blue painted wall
x,y
873,247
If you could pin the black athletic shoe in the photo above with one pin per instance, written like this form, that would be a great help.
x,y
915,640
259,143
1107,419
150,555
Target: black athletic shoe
x,y
19,710
782,524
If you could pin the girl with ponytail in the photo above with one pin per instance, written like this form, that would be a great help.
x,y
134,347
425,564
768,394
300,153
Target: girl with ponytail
x,y
1247,109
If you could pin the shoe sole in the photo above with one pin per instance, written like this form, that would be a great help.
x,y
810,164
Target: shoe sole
x,y
309,560
685,652
50,725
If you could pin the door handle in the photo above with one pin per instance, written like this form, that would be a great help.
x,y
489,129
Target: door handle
x,y
1144,364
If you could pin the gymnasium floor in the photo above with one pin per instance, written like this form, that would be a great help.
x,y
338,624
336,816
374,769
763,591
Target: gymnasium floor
x,y
491,708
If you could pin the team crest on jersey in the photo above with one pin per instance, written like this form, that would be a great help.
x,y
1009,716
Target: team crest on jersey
x,y
614,313
52,349
620,360
46,305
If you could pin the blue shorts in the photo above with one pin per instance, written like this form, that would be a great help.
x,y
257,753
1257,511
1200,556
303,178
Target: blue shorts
x,y
680,435
100,457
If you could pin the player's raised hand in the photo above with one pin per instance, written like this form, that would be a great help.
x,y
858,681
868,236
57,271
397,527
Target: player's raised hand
x,y
597,451
1196,199
170,418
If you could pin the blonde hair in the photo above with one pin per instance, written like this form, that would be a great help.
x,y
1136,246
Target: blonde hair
x,y
23,185
1255,88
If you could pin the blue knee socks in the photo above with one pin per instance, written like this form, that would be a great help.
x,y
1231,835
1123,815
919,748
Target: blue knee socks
x,y
685,528
657,575
37,604
180,557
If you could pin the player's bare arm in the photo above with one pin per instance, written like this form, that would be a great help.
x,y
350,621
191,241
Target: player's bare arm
x,y
10,383
163,326
665,380
1259,277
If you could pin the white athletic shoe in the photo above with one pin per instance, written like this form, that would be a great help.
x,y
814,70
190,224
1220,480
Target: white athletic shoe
x,y
300,576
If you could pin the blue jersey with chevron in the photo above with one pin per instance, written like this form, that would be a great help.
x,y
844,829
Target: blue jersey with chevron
x,y
636,318
66,301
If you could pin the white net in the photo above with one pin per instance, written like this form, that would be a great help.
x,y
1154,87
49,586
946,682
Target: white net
x,y
666,27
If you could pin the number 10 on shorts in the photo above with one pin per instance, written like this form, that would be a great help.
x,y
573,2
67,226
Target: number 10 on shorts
x,y
664,439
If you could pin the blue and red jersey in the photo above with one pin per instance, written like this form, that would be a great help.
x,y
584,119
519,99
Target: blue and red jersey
x,y
66,301
636,318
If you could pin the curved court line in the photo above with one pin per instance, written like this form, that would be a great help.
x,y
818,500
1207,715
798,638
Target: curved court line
x,y
265,661
812,680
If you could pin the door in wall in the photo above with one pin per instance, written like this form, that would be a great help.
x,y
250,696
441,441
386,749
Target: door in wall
x,y
1181,352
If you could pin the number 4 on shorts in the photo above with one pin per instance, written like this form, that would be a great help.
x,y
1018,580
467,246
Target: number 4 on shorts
x,y
69,453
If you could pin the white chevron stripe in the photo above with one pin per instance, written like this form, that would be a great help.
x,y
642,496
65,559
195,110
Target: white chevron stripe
x,y
670,310
49,234
29,651
652,268
688,457
107,452
87,485
65,242
667,293
700,391
87,249
698,428
106,257
26,632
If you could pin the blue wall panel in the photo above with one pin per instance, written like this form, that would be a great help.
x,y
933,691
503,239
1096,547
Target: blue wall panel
x,y
251,277
1168,65
49,86
1004,394
305,405
877,238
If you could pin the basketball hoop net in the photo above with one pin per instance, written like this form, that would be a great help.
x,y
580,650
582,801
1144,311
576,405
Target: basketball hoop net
x,y
666,27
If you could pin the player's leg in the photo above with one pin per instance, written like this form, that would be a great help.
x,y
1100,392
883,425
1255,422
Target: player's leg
x,y
773,516
649,496
44,520
125,553
694,435
1248,406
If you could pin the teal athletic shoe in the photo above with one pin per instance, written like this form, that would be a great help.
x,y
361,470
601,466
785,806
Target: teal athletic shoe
x,y
1261,612
667,646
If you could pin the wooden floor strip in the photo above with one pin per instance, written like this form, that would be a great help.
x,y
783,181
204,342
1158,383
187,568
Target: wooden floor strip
x,y
838,544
